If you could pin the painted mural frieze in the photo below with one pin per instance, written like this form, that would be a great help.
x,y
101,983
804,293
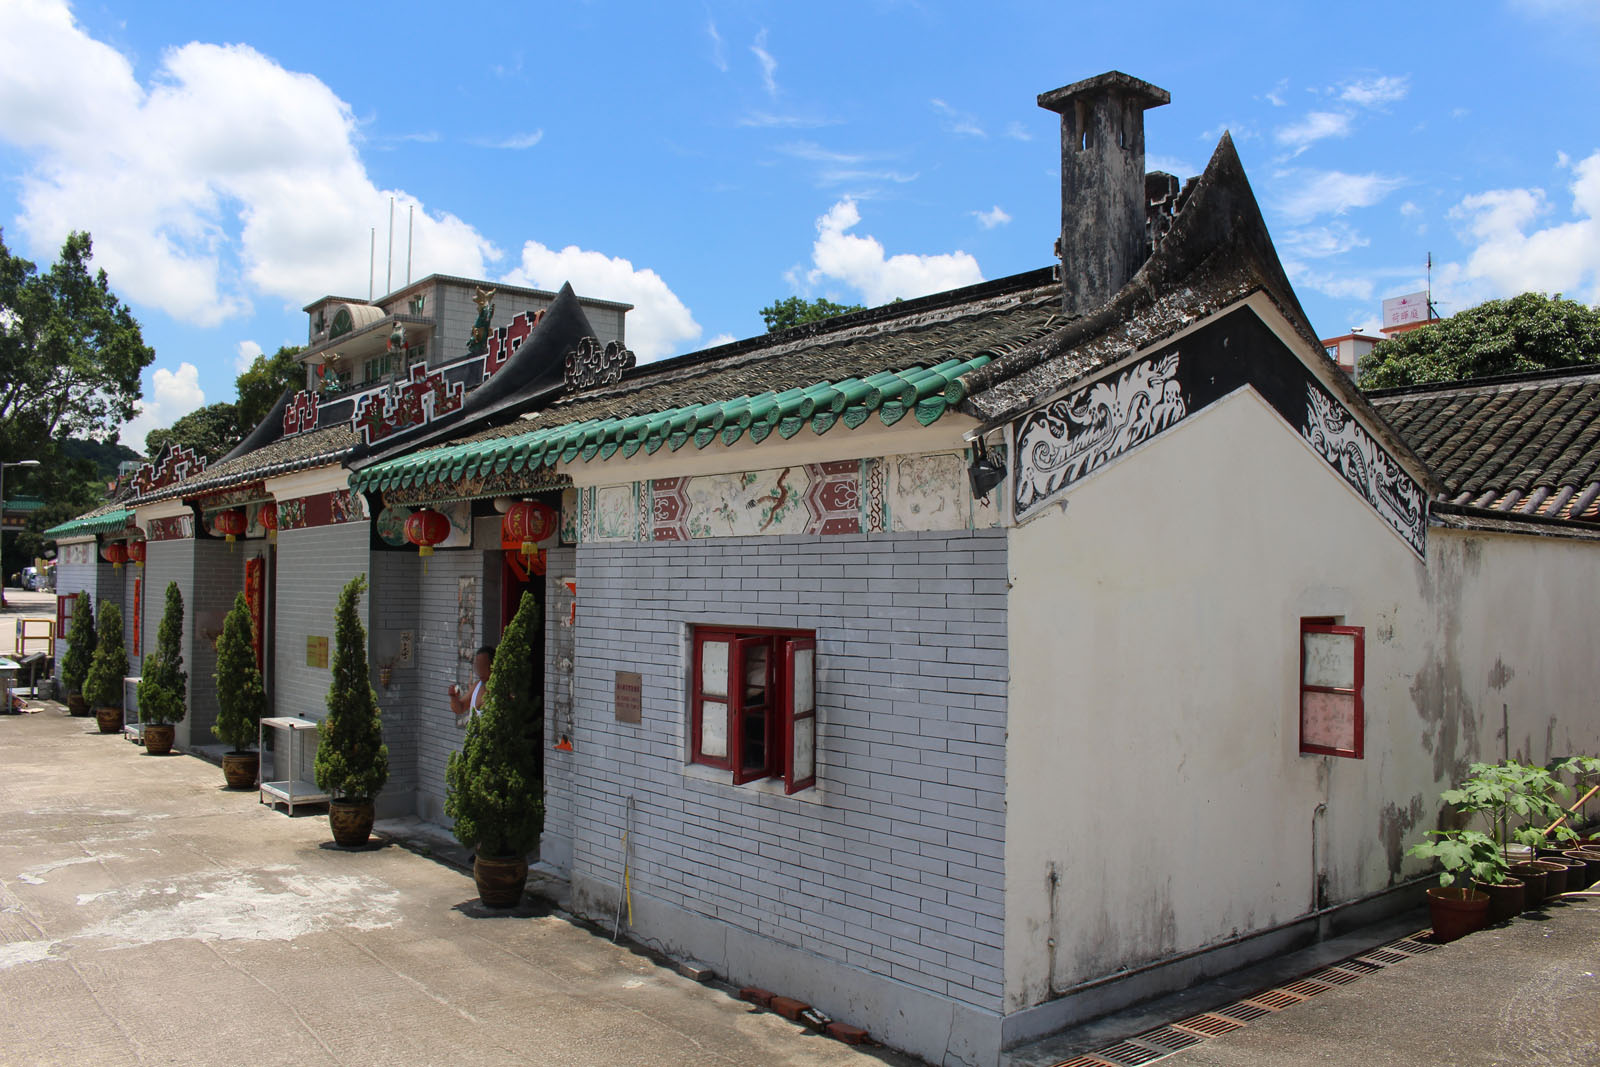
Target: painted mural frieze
x,y
301,414
172,464
172,528
1080,433
1336,436
592,364
424,398
505,340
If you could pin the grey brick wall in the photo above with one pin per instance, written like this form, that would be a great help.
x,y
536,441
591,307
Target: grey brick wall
x,y
74,578
170,561
556,848
217,577
894,864
313,566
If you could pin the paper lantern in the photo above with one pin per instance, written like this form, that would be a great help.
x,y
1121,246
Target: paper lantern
x,y
426,528
136,553
115,553
229,523
268,518
525,524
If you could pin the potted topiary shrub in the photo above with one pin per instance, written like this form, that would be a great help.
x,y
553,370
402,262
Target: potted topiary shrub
x,y
241,698
494,793
102,687
163,683
1455,911
80,653
352,760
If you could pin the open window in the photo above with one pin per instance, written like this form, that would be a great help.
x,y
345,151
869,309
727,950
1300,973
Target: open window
x,y
66,604
1332,675
754,705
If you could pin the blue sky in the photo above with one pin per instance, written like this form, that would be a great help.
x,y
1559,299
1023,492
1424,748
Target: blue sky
x,y
702,159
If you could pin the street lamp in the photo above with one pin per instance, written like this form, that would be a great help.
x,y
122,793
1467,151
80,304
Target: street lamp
x,y
3,466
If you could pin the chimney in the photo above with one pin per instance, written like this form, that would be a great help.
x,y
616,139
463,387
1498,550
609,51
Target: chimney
x,y
1103,239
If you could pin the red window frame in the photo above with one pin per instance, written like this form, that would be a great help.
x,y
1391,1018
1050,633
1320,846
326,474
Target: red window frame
x,y
1355,691
66,605
763,703
138,614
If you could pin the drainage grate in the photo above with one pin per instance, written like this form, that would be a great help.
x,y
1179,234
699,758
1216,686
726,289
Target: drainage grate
x,y
1168,1038
1385,956
1411,945
1085,1061
1129,1053
1337,976
1307,987
1362,966
1209,1025
1244,1011
1276,999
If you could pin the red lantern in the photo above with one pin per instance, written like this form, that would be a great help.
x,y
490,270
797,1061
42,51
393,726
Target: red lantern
x,y
136,553
268,518
426,528
116,554
525,524
230,523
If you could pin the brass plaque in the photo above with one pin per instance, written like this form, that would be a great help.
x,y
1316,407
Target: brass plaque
x,y
630,696
317,652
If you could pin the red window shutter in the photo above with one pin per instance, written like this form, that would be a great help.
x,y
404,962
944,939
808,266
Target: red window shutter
x,y
799,714
751,715
713,667
66,604
1332,680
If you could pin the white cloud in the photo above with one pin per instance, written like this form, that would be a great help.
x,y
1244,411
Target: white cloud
x,y
719,58
815,153
1274,96
515,141
992,218
173,395
659,324
721,339
1320,242
222,177
1510,256
1315,127
1331,192
1181,168
1018,132
1340,287
244,355
860,262
960,122
1374,92
768,120
769,65
1410,210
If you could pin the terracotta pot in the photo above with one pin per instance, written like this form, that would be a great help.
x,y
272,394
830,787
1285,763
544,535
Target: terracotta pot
x,y
241,769
1591,865
1555,882
158,738
77,706
109,720
500,879
1577,872
351,821
1535,878
1457,912
1506,899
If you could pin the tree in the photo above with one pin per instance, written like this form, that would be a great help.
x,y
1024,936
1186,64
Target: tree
x,y
782,314
493,794
263,382
352,760
103,686
210,431
70,351
1525,333
241,699
163,683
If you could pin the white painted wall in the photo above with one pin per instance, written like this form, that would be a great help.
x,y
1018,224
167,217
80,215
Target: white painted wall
x,y
1153,749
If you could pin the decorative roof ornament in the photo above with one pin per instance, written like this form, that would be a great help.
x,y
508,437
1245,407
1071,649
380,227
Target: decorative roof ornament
x,y
479,343
590,364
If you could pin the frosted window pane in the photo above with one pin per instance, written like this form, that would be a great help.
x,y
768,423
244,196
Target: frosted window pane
x,y
1330,660
804,681
714,668
805,747
714,728
1328,720
755,673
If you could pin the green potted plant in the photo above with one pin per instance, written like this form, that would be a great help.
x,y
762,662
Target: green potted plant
x,y
80,653
494,793
1459,911
241,698
163,683
352,761
102,687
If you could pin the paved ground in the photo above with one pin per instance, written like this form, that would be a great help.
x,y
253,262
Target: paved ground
x,y
24,605
147,916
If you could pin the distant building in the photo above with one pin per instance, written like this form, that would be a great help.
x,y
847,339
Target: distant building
x,y
1347,350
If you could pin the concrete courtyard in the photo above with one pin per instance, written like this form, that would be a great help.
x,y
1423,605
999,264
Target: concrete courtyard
x,y
148,915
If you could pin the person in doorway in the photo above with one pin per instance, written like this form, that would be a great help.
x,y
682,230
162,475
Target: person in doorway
x,y
466,705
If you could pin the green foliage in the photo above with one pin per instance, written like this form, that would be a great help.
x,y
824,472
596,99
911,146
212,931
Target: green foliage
x,y
70,351
210,431
494,797
1469,852
163,683
1526,333
352,760
782,314
241,699
80,645
263,382
103,686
